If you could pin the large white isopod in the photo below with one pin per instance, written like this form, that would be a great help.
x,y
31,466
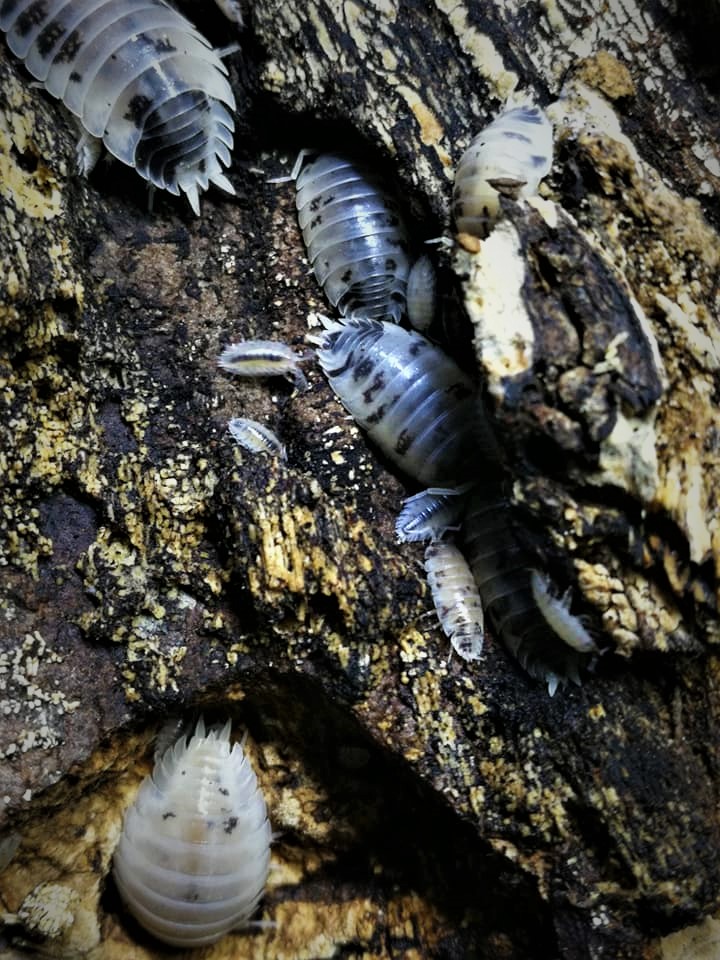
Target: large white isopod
x,y
194,853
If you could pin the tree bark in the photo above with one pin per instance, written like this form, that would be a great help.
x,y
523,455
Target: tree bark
x,y
149,567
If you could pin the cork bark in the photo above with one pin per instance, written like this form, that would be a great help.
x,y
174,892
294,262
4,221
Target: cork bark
x,y
152,568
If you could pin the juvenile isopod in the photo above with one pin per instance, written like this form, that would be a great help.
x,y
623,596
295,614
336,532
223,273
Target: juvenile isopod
x,y
509,157
263,358
556,611
421,293
456,598
500,567
194,853
356,240
413,400
256,437
140,77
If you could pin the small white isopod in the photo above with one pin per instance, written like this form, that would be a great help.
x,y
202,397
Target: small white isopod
x,y
140,77
509,157
256,437
355,237
194,853
456,598
414,401
556,611
263,358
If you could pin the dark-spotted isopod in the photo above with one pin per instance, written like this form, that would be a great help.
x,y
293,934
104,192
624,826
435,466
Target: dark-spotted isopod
x,y
509,157
413,400
356,240
139,77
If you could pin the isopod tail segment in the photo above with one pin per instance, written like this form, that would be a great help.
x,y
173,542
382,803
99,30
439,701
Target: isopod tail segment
x,y
533,625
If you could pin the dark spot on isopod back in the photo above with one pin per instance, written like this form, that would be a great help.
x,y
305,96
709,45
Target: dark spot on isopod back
x,y
230,824
391,265
70,48
347,276
363,369
377,416
168,815
404,442
48,38
224,791
75,76
137,108
8,7
377,384
316,221
34,14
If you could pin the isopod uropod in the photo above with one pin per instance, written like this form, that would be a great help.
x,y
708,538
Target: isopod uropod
x,y
355,237
140,77
456,598
510,157
194,853
413,400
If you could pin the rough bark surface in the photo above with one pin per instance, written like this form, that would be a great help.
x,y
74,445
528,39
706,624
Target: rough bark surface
x,y
150,567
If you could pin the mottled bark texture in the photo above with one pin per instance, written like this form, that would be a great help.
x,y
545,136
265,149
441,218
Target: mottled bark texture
x,y
150,567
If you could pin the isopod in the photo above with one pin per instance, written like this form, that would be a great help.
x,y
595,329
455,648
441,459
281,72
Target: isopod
x,y
194,852
256,437
140,77
421,293
456,598
500,567
431,513
355,238
509,157
263,358
414,401
556,611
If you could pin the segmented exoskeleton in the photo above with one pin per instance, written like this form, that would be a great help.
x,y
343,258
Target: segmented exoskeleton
x,y
140,77
413,400
263,358
256,437
500,565
356,240
456,598
194,853
509,157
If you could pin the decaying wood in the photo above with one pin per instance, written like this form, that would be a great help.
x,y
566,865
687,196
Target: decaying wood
x,y
150,567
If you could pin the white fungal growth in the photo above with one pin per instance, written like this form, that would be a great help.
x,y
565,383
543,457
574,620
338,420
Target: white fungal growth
x,y
509,157
422,293
140,77
194,853
430,514
263,358
256,437
355,237
456,598
556,612
413,400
